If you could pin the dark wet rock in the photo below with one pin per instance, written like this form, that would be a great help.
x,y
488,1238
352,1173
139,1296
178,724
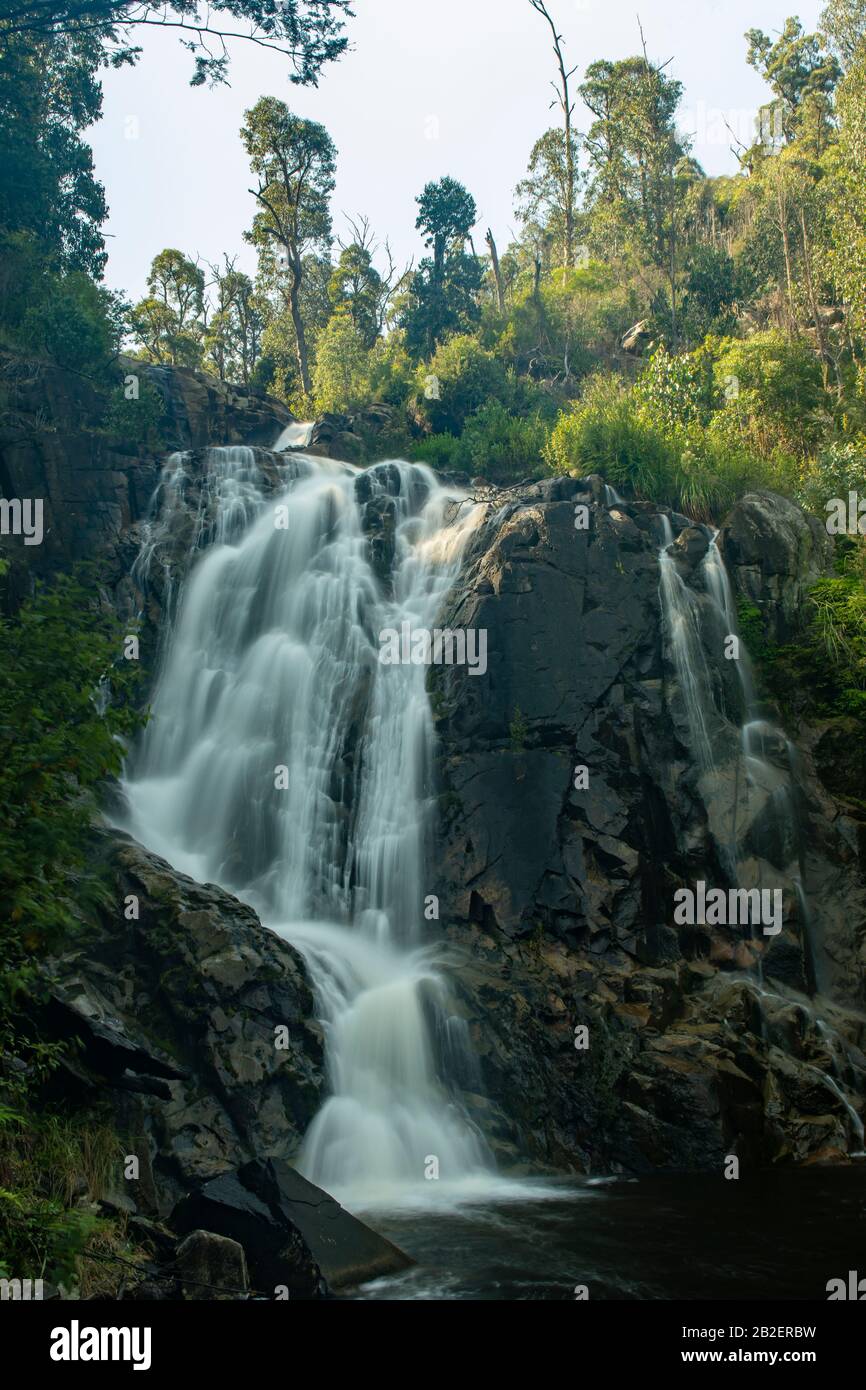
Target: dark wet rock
x,y
346,1250
94,486
278,1256
774,552
193,991
558,896
210,1266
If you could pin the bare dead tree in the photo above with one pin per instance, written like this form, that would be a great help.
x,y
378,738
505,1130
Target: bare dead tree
x,y
566,105
497,273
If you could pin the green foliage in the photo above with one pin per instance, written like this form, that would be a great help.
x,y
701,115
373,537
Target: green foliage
x,y
677,389
60,657
49,94
495,444
355,289
168,323
615,432
798,70
53,315
773,390
457,380
342,377
546,193
443,296
294,161
307,32
517,731
134,420
822,672
838,469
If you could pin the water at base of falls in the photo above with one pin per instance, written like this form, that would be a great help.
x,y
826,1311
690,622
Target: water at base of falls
x,y
286,763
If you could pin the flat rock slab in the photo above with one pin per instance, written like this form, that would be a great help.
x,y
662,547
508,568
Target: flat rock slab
x,y
346,1250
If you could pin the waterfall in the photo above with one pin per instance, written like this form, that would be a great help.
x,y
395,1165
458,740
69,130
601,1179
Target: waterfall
x,y
749,789
759,807
286,762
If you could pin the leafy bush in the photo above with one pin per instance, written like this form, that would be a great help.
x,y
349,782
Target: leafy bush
x,y
135,421
838,469
773,391
67,319
57,742
495,444
615,431
460,377
677,389
341,376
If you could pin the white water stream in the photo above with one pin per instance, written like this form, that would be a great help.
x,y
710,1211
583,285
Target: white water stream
x,y
270,675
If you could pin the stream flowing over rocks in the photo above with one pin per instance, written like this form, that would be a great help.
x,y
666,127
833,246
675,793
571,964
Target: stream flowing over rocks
x,y
609,755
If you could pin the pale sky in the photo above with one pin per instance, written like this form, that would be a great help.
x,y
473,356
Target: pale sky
x,y
432,87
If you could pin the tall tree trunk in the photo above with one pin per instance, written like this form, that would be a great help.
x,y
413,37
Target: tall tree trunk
x,y
300,336
497,274
782,207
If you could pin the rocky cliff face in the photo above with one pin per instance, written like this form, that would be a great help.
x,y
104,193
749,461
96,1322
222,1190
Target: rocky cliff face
x,y
559,896
55,445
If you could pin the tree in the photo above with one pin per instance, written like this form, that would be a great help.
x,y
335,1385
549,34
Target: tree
x,y
294,160
445,287
639,171
843,26
168,322
845,200
357,288
48,193
342,375
802,75
307,32
566,155
232,338
547,193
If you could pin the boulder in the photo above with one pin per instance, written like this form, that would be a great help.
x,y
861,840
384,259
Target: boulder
x,y
278,1256
209,1266
190,994
774,552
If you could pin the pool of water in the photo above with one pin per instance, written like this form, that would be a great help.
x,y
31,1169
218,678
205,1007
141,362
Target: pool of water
x,y
778,1235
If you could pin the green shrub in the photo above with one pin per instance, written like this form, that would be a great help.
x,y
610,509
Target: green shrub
x,y
615,431
677,389
137,420
57,743
443,452
773,390
838,469
459,379
495,444
607,433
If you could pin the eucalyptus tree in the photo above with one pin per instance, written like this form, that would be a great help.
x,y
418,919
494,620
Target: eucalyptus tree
x,y
294,160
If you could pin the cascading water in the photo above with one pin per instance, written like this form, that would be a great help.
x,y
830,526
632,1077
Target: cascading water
x,y
763,800
750,787
287,763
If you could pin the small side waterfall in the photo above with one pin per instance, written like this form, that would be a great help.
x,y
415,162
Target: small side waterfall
x,y
287,763
749,787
